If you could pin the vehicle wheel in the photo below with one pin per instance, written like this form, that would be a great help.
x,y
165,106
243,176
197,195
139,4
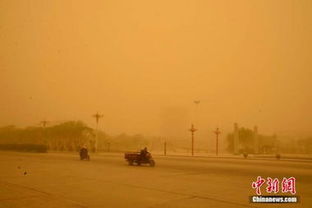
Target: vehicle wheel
x,y
152,163
138,163
130,162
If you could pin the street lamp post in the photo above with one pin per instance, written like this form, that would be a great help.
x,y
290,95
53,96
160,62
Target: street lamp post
x,y
217,132
44,123
192,130
97,117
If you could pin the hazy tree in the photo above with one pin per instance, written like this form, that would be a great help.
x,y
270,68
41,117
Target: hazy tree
x,y
305,145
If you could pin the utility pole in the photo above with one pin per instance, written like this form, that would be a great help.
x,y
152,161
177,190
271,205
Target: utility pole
x,y
108,147
217,132
97,117
165,148
192,130
236,138
256,140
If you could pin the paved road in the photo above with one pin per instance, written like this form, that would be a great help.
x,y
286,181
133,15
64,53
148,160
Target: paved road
x,y
61,180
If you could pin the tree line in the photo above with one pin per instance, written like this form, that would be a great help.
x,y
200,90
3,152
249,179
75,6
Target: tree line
x,y
67,136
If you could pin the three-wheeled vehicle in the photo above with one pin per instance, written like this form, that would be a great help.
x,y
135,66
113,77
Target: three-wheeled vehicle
x,y
137,158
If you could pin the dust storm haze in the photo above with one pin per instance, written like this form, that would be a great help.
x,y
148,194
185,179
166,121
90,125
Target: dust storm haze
x,y
148,70
143,63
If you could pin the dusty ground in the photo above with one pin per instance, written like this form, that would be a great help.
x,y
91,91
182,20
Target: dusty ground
x,y
61,180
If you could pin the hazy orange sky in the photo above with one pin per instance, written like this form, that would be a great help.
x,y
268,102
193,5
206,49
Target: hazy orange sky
x,y
142,63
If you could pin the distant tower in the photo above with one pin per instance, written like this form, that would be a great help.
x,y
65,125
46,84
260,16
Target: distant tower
x,y
236,139
256,140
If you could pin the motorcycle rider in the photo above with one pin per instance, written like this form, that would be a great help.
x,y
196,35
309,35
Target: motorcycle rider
x,y
84,152
143,153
